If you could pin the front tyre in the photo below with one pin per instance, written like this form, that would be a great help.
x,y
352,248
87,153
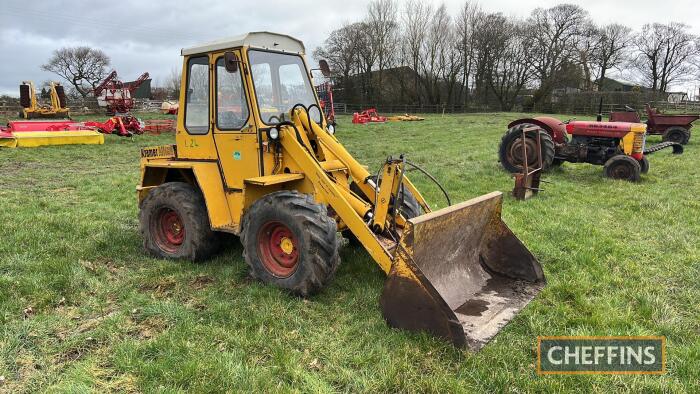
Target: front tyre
x,y
623,167
290,241
644,165
174,223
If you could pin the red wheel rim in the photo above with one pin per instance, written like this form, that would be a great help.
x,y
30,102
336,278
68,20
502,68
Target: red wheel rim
x,y
170,230
278,249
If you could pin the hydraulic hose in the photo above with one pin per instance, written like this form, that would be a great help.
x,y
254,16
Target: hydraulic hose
x,y
432,178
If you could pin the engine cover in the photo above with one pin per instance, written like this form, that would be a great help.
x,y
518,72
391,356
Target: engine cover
x,y
603,129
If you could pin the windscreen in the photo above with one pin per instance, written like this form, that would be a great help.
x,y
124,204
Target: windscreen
x,y
281,81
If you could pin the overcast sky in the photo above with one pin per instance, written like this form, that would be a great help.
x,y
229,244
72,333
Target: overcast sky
x,y
143,35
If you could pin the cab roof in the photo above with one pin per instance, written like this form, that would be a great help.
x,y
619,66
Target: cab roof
x,y
259,39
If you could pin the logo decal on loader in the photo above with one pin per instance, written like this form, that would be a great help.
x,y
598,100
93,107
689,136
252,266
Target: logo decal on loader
x,y
236,155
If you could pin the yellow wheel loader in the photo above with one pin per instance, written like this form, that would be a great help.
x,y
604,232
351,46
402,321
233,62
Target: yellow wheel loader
x,y
255,157
30,105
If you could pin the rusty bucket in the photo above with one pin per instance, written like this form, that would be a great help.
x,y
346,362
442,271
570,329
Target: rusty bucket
x,y
460,273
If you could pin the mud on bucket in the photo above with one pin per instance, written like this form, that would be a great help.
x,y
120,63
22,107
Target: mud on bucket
x,y
460,273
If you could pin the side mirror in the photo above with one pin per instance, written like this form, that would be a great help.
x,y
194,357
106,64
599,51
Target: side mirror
x,y
231,62
325,70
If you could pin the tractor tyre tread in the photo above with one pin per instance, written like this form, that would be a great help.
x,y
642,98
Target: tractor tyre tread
x,y
636,167
684,132
547,147
200,241
644,165
311,225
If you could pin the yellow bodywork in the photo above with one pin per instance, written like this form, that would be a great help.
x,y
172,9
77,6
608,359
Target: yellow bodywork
x,y
53,110
235,168
41,138
633,142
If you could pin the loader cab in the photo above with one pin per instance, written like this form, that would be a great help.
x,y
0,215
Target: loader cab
x,y
232,91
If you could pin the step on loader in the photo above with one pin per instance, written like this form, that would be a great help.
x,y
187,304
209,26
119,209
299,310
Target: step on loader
x,y
254,157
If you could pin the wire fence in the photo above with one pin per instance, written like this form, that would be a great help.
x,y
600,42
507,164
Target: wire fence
x,y
11,107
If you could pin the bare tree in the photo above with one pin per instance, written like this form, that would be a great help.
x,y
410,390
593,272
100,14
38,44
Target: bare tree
x,y
554,34
468,19
436,53
382,33
664,54
173,83
509,69
83,67
588,46
612,50
415,17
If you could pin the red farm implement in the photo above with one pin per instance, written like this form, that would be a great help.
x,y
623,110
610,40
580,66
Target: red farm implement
x,y
673,128
325,98
115,95
368,116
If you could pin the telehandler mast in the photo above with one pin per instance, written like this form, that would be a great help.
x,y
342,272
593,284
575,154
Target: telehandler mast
x,y
254,156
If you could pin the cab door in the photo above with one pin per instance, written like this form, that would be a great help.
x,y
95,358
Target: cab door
x,y
235,133
194,138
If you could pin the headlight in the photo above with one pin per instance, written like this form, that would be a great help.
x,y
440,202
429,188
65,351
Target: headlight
x,y
273,133
331,129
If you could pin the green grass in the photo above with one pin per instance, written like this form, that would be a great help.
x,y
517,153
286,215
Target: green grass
x,y
82,308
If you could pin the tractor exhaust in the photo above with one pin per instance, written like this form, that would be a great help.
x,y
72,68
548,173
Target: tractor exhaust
x,y
460,273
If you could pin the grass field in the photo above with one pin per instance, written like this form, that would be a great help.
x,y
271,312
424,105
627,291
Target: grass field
x,y
82,308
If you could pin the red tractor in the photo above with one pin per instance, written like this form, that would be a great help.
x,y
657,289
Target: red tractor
x,y
618,146
674,128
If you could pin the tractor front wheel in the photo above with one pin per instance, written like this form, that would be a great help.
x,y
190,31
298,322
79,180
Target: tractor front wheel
x,y
644,165
175,224
510,152
290,241
623,167
677,134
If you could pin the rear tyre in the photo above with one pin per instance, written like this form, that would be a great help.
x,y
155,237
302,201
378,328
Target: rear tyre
x,y
290,241
175,224
25,99
510,152
677,134
61,93
623,167
644,165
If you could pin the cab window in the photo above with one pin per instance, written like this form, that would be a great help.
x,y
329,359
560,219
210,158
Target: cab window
x,y
280,81
197,96
231,106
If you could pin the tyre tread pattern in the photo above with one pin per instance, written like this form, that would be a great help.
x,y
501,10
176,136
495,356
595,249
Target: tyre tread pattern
x,y
200,241
322,260
546,141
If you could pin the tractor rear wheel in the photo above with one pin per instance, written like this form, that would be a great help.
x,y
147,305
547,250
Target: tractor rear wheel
x,y
510,152
677,134
644,165
623,167
290,241
175,224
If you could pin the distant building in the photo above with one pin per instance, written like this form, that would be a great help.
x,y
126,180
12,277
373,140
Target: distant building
x,y
613,85
677,97
143,91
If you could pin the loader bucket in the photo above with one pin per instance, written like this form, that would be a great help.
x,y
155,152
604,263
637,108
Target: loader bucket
x,y
460,273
